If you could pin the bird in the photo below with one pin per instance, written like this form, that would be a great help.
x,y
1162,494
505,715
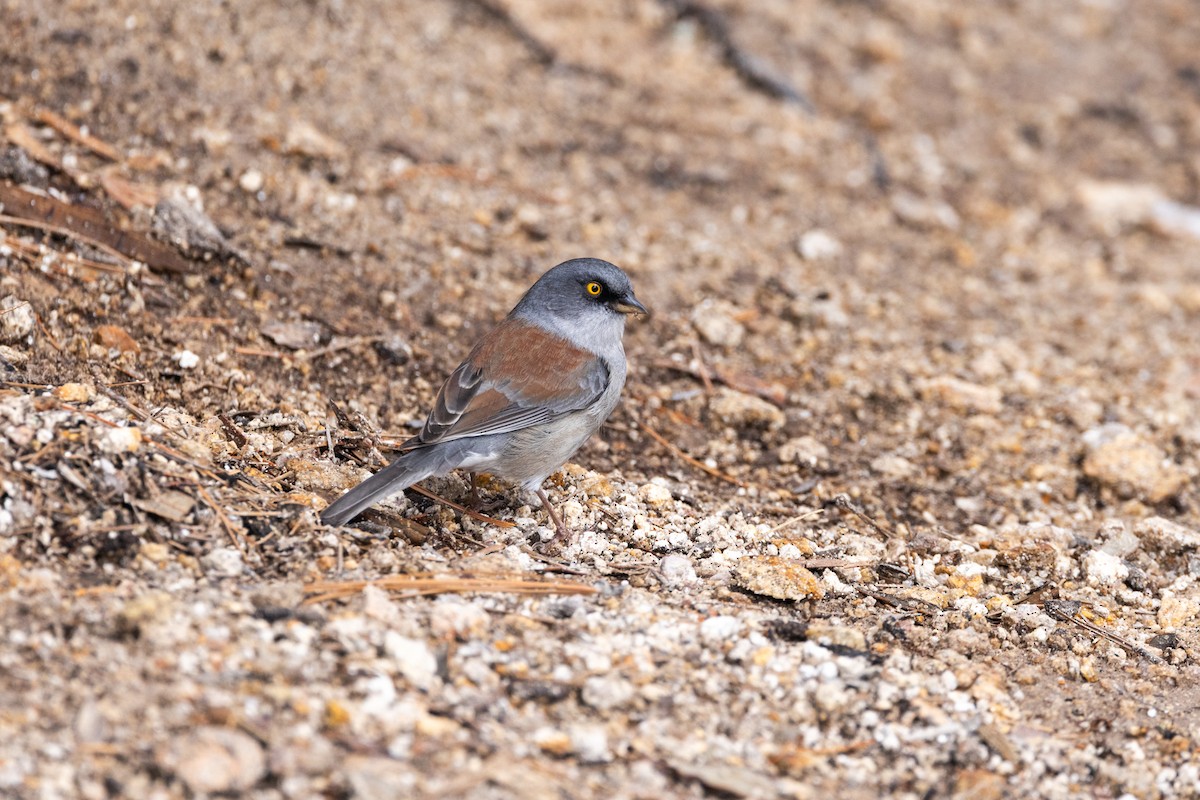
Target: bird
x,y
528,395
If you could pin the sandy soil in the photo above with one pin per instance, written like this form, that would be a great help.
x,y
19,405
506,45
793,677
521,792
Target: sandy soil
x,y
925,354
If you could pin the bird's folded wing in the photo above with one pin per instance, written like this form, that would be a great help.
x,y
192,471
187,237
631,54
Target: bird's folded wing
x,y
519,375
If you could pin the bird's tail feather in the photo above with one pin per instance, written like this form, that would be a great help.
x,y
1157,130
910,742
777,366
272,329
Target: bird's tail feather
x,y
407,469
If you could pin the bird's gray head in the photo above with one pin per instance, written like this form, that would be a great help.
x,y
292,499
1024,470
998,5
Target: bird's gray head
x,y
581,298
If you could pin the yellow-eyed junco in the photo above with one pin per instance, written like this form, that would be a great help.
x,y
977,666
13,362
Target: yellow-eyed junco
x,y
529,394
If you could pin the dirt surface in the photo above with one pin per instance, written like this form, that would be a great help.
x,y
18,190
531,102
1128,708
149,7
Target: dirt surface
x,y
925,357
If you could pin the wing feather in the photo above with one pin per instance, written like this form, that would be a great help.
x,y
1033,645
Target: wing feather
x,y
517,377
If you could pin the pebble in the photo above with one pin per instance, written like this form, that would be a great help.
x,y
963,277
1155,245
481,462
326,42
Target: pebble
x,y
804,450
1103,569
745,410
75,393
778,578
252,181
677,570
817,245
1176,611
893,466
604,692
378,778
213,760
921,212
655,495
963,395
1165,536
413,659
186,359
1118,458
1118,540
16,319
223,562
716,324
715,630
120,440
452,617
589,742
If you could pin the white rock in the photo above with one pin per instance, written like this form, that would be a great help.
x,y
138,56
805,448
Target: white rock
x,y
804,450
1167,536
1118,540
738,408
716,324
590,743
215,760
16,319
655,495
603,692
223,562
677,570
120,440
817,245
1103,569
890,465
715,630
414,660
186,359
251,181
454,617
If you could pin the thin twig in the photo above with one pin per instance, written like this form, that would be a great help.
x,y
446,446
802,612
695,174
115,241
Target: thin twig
x,y
70,234
428,583
751,69
1065,611
76,134
700,465
475,515
225,523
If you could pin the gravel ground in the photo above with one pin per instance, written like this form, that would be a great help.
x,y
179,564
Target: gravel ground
x,y
901,500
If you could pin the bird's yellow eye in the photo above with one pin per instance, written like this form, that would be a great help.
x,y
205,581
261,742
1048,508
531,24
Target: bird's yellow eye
x,y
594,289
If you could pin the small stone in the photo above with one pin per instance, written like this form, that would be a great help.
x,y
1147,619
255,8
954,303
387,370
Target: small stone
x,y
1114,206
552,741
890,465
75,393
120,440
817,245
414,660
715,630
963,395
925,213
604,692
837,635
378,778
804,450
18,358
779,578
1119,459
214,760
739,409
716,324
223,562
1165,536
1103,569
677,570
186,359
655,495
589,742
114,337
1118,540
16,319
251,181
452,617
1177,611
